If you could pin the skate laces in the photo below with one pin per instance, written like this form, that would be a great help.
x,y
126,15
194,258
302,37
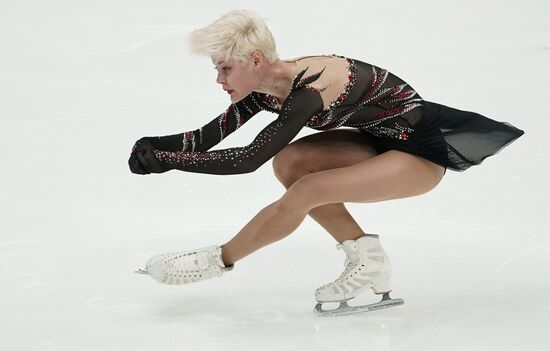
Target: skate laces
x,y
353,254
350,263
189,262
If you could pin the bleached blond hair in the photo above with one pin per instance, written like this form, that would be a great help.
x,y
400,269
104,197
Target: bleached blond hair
x,y
234,35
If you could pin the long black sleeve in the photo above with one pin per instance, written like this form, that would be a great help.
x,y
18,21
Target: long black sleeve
x,y
204,138
300,105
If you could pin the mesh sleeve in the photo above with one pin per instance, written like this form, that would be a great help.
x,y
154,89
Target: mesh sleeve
x,y
211,134
295,112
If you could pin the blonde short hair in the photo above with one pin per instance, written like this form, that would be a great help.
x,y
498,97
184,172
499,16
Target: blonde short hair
x,y
234,35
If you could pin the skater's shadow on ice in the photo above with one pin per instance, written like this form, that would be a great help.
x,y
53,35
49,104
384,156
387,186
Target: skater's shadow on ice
x,y
248,312
222,311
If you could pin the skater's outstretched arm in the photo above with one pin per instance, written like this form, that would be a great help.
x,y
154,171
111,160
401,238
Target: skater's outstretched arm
x,y
212,133
300,105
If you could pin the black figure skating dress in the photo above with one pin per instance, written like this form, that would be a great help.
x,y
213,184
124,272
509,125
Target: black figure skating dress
x,y
388,111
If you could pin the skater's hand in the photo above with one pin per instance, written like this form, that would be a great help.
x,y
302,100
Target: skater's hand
x,y
143,160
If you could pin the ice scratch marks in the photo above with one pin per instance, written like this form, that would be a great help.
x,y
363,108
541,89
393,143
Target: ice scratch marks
x,y
102,302
528,251
421,335
142,42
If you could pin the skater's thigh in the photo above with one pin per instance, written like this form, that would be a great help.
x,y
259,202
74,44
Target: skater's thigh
x,y
324,150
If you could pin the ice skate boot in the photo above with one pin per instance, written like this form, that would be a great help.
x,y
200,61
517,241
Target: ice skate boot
x,y
366,266
186,267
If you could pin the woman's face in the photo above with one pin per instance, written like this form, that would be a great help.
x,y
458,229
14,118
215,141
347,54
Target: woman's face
x,y
237,78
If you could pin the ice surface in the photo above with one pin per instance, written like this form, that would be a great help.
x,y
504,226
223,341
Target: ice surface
x,y
81,81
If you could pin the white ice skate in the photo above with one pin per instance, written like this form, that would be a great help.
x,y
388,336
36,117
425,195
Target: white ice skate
x,y
186,267
367,266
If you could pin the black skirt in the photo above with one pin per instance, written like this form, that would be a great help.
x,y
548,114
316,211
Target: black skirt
x,y
453,138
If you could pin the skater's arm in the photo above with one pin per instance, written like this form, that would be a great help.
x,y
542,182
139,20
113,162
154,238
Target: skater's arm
x,y
212,133
297,109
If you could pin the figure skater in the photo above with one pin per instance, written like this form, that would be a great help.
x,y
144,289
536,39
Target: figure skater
x,y
396,145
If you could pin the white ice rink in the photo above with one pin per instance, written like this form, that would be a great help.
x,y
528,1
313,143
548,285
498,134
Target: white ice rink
x,y
81,81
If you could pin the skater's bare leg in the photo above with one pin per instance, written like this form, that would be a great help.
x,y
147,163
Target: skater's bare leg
x,y
319,152
314,153
379,178
271,224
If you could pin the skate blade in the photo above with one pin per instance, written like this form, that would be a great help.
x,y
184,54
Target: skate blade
x,y
345,309
141,271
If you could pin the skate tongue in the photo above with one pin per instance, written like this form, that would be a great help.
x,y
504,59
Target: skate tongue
x,y
217,254
351,248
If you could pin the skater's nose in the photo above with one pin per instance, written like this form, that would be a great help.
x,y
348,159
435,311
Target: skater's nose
x,y
219,79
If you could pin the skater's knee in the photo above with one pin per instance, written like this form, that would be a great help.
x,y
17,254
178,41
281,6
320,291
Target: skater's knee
x,y
302,194
288,164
